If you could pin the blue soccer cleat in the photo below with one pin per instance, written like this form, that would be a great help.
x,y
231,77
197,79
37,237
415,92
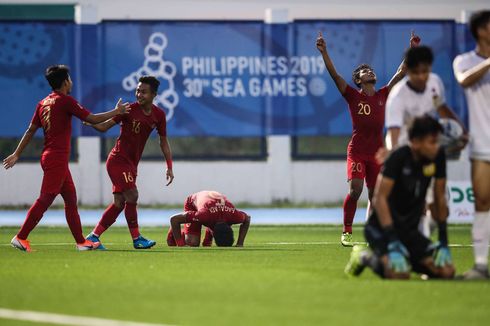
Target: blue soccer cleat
x,y
142,243
92,237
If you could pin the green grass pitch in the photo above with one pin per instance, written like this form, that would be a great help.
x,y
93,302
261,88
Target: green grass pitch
x,y
285,275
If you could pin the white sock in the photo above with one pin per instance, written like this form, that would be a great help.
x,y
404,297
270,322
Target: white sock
x,y
481,237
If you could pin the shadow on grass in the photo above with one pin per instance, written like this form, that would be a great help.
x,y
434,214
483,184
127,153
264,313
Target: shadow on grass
x,y
201,250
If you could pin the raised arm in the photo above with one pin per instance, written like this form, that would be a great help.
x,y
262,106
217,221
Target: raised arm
x,y
167,152
402,69
473,75
10,160
242,233
322,47
121,108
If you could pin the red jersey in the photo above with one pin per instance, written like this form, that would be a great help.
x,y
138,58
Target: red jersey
x,y
136,127
210,207
368,116
54,114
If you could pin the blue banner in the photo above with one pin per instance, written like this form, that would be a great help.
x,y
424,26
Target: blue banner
x,y
217,78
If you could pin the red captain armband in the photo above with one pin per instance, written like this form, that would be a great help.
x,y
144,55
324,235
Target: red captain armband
x,y
180,242
169,164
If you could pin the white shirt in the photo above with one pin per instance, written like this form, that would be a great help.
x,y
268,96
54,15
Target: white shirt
x,y
404,104
478,99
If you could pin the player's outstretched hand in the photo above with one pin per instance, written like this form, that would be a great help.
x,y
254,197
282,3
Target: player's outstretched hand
x,y
414,40
170,176
10,161
397,254
321,45
122,108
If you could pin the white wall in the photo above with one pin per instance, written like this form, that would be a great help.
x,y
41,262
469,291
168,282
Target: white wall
x,y
278,178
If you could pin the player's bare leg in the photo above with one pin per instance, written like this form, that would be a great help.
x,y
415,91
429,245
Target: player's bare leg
x,y
480,175
350,207
131,213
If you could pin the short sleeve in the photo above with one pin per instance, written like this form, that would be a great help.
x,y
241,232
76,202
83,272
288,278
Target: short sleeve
x,y
76,108
394,111
35,118
118,118
460,65
441,90
202,216
384,92
162,125
350,94
237,217
441,165
393,164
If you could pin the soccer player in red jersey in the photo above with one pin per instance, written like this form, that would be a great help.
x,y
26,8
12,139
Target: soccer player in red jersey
x,y
54,115
122,162
367,110
213,210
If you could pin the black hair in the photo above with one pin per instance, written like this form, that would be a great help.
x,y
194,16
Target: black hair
x,y
356,74
424,126
478,20
417,55
223,235
152,81
56,75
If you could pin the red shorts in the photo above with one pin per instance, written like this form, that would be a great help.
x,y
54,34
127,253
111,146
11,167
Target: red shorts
x,y
361,166
57,177
122,174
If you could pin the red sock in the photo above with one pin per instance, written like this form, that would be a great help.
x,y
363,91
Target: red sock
x,y
108,218
35,214
132,219
350,206
208,238
72,216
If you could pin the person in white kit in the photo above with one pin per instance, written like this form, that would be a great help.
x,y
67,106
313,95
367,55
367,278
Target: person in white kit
x,y
472,71
421,92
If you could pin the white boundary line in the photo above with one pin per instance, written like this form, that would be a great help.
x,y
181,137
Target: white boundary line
x,y
58,319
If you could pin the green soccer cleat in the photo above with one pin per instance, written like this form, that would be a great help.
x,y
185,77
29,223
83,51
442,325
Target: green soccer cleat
x,y
346,239
355,266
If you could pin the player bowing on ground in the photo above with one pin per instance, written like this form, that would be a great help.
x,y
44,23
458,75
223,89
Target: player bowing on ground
x,y
54,115
213,210
367,110
399,201
122,162
472,70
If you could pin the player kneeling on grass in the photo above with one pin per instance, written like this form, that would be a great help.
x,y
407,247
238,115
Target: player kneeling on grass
x,y
213,210
399,202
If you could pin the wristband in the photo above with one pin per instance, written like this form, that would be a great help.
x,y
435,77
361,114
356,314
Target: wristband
x,y
169,164
443,233
390,233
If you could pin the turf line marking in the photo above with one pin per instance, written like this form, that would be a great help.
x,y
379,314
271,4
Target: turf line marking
x,y
456,245
43,317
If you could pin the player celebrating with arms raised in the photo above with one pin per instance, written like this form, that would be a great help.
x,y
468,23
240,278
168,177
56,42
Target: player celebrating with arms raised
x,y
367,110
472,70
54,115
213,210
122,162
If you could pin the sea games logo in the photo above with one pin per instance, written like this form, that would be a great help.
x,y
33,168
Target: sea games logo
x,y
156,65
